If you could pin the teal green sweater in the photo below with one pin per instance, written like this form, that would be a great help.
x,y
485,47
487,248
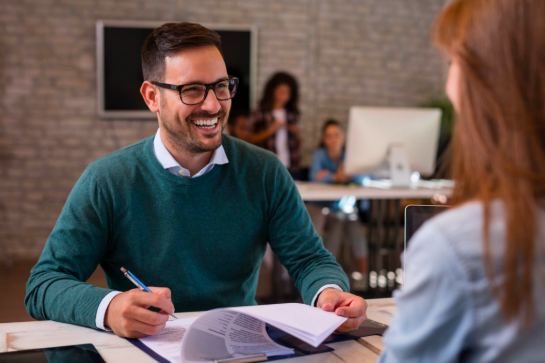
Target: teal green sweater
x,y
204,238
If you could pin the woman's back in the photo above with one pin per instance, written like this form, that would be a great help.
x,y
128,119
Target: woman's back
x,y
447,309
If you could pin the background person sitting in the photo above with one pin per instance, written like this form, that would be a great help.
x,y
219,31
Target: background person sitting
x,y
327,167
275,121
238,125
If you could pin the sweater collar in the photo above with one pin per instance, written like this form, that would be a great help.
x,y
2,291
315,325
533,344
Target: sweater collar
x,y
166,159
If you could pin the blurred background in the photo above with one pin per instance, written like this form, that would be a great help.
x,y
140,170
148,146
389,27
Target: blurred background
x,y
342,53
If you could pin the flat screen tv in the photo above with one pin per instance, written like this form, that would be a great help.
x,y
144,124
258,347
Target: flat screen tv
x,y
119,67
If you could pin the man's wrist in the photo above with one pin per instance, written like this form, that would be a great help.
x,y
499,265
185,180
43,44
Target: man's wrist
x,y
100,319
328,286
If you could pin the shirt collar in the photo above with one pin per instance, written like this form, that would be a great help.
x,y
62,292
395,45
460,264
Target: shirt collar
x,y
167,161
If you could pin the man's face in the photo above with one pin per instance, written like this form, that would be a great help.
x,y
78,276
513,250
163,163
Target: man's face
x,y
188,127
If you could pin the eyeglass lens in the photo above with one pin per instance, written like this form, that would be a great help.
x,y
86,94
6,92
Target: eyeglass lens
x,y
195,93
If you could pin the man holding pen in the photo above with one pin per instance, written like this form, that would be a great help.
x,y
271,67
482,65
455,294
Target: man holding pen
x,y
189,209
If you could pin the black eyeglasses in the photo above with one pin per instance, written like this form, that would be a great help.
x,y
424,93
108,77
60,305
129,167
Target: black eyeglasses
x,y
195,93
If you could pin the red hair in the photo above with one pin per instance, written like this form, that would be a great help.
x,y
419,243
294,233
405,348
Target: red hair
x,y
499,139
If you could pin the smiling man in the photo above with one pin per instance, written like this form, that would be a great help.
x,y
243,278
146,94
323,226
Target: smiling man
x,y
190,210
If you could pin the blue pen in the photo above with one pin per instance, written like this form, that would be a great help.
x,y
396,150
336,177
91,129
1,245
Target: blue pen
x,y
139,284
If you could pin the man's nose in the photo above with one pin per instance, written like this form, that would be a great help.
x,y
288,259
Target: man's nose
x,y
211,103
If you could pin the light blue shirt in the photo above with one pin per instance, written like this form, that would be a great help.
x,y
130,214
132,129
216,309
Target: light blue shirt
x,y
447,311
322,161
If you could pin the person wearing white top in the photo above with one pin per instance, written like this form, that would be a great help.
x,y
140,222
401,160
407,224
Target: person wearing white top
x,y
275,121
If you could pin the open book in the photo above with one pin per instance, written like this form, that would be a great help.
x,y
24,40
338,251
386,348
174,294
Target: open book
x,y
240,333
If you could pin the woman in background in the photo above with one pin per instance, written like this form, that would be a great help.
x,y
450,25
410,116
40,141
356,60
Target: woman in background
x,y
327,167
475,279
275,121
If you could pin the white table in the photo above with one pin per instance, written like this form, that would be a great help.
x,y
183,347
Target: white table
x,y
330,192
380,193
43,334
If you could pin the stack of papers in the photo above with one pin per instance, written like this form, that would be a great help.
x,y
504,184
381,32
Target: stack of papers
x,y
224,334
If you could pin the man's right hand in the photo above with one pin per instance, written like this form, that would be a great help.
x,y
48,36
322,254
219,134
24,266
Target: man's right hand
x,y
128,315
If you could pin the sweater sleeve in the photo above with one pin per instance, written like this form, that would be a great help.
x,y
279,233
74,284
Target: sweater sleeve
x,y
56,288
293,238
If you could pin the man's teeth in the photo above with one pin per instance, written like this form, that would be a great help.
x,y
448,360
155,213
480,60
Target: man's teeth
x,y
206,124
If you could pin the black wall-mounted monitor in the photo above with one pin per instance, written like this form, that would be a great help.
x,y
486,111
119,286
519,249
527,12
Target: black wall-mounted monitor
x,y
119,65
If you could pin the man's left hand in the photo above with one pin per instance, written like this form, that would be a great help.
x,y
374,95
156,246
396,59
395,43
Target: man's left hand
x,y
344,304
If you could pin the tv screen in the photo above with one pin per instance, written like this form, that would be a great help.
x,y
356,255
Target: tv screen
x,y
120,68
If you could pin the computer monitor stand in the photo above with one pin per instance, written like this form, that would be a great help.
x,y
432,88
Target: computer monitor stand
x,y
400,169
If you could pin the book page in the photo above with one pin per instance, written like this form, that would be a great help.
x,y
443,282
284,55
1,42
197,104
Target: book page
x,y
223,333
168,342
310,324
249,335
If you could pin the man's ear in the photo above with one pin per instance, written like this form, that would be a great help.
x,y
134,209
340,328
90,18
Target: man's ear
x,y
151,96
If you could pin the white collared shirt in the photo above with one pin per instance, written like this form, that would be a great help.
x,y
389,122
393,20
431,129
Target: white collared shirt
x,y
281,138
169,163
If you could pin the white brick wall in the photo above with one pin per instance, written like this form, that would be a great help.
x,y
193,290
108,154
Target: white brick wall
x,y
344,52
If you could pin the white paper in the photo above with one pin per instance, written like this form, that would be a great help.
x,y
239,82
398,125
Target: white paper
x,y
167,343
249,335
222,333
310,324
216,323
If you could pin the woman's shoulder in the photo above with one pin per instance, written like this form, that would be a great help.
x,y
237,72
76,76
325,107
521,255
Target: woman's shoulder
x,y
320,150
461,230
458,224
259,113
319,153
466,221
466,218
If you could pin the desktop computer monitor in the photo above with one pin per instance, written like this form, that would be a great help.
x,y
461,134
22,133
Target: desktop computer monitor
x,y
392,142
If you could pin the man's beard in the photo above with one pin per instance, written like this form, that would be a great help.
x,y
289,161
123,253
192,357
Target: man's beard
x,y
184,137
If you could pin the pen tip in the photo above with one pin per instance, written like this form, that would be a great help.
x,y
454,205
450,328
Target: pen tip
x,y
123,269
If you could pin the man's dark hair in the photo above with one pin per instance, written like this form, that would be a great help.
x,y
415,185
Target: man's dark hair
x,y
170,38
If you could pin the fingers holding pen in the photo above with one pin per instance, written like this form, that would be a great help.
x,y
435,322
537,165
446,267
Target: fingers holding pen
x,y
128,316
160,300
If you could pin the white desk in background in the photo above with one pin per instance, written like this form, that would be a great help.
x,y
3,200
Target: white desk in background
x,y
381,193
44,334
311,192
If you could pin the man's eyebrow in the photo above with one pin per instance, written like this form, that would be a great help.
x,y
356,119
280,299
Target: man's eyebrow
x,y
201,82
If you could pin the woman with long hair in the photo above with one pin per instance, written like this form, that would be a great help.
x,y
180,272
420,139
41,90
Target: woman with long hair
x,y
475,281
275,121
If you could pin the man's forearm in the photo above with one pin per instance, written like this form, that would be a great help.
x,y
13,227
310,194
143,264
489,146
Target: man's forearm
x,y
60,297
